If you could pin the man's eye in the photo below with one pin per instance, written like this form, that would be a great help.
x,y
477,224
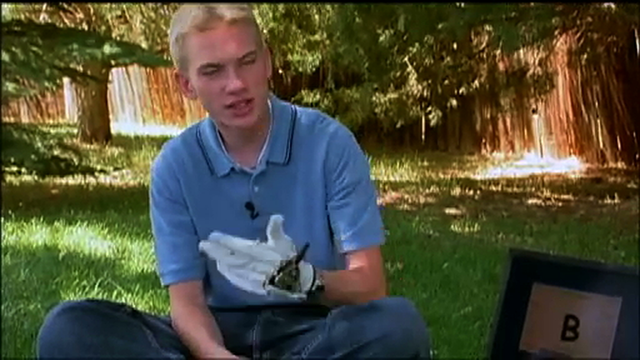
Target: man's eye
x,y
210,72
248,61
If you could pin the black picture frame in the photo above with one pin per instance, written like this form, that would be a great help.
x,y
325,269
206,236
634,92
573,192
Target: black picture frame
x,y
526,267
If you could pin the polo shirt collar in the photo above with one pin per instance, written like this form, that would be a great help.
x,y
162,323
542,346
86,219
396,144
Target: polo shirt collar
x,y
283,124
278,143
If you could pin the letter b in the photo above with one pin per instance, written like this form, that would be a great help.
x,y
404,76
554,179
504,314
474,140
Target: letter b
x,y
570,328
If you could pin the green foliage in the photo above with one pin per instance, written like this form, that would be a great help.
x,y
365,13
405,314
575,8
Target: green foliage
x,y
427,56
388,64
146,24
29,150
408,61
36,56
601,27
44,42
296,33
350,104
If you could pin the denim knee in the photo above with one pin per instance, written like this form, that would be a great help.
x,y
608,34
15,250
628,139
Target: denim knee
x,y
400,327
60,326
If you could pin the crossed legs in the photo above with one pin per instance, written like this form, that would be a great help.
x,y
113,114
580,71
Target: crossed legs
x,y
389,327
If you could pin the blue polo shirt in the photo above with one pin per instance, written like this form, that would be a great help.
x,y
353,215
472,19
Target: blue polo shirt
x,y
313,172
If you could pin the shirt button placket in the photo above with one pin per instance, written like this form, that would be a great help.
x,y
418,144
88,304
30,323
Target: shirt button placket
x,y
253,192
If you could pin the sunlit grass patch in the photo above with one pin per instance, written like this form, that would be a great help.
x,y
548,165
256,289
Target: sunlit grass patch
x,y
78,238
134,128
44,262
532,164
404,167
465,226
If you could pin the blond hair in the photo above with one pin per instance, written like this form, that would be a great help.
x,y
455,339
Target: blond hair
x,y
202,17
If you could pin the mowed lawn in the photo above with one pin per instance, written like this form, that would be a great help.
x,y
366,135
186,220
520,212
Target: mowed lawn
x,y
448,237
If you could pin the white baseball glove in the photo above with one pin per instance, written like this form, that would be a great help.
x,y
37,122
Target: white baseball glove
x,y
265,268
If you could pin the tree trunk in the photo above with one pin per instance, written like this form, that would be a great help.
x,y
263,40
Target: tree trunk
x,y
453,129
468,134
92,111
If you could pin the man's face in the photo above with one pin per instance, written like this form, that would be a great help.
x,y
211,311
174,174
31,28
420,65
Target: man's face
x,y
228,72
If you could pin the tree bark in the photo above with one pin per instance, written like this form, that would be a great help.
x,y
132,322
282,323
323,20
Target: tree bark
x,y
468,134
92,111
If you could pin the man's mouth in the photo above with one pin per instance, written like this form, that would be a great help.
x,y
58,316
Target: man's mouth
x,y
239,105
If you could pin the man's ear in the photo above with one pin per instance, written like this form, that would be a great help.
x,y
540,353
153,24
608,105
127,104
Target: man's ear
x,y
267,55
184,84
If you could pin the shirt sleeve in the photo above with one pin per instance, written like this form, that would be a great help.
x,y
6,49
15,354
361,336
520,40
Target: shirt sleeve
x,y
351,195
175,238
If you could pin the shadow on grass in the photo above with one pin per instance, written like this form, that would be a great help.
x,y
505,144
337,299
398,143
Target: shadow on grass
x,y
433,161
131,152
118,208
136,142
595,219
550,193
66,131
37,277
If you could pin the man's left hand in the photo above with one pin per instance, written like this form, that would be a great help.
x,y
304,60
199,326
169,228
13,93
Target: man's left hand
x,y
272,267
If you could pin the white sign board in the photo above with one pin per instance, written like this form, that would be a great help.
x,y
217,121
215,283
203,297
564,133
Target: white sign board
x,y
573,323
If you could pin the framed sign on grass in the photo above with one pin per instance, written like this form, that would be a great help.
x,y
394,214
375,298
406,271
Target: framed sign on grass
x,y
559,307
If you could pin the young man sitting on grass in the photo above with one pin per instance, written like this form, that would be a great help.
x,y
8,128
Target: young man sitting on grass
x,y
267,232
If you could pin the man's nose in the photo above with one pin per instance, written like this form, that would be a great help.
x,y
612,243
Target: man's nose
x,y
234,81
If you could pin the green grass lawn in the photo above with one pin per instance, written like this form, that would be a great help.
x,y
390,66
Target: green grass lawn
x,y
448,235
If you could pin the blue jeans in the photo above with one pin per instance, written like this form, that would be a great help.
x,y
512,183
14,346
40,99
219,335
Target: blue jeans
x,y
390,328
